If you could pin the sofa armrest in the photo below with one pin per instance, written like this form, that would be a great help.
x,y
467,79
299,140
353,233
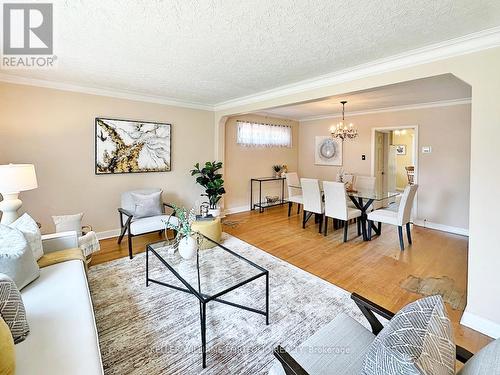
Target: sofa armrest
x,y
59,241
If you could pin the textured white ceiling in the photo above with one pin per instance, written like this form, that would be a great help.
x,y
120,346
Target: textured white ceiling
x,y
441,88
212,51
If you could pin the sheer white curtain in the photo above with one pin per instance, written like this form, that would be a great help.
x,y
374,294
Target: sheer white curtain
x,y
265,135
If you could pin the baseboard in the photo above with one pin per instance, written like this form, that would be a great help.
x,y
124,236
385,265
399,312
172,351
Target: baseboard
x,y
441,227
480,324
108,234
235,210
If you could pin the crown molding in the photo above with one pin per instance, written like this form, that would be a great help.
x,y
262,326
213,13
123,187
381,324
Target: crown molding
x,y
470,43
441,103
113,93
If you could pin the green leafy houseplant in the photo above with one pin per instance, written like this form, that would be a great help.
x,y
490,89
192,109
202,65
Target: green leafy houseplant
x,y
185,219
212,181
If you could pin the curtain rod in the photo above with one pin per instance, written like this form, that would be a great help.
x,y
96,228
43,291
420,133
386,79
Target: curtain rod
x,y
263,123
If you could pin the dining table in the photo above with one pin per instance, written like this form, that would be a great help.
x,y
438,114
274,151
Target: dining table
x,y
363,200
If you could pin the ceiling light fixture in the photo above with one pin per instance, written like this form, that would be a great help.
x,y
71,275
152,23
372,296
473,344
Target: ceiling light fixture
x,y
342,130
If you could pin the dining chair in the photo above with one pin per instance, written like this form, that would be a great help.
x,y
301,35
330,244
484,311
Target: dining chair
x,y
294,193
410,174
336,206
398,218
365,183
312,200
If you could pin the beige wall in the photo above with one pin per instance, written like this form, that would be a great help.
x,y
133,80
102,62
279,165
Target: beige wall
x,y
243,163
402,161
443,175
55,131
480,70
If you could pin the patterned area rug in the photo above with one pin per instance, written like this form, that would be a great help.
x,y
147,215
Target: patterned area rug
x,y
156,330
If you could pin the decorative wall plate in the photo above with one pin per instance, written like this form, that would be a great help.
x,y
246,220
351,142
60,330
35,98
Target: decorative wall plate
x,y
328,151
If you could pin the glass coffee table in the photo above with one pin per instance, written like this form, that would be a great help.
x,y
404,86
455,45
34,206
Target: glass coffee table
x,y
208,276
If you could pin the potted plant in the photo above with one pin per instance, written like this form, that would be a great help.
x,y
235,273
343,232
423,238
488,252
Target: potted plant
x,y
188,244
277,170
212,181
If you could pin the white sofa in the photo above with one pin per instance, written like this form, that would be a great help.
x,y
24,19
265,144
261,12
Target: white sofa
x,y
63,336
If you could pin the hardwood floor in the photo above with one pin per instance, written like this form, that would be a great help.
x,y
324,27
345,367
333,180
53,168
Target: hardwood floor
x,y
373,269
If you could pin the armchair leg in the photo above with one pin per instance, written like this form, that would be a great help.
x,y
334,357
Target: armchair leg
x,y
130,246
346,227
401,242
289,208
326,225
304,219
320,223
408,233
298,208
370,223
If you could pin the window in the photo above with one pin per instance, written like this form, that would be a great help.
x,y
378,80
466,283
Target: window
x,y
265,135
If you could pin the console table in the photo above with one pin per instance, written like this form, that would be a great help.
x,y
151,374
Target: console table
x,y
264,204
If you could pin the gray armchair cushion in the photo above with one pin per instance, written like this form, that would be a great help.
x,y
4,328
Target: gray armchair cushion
x,y
337,348
127,200
128,203
486,361
147,205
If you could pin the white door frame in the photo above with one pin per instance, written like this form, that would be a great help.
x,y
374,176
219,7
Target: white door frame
x,y
415,155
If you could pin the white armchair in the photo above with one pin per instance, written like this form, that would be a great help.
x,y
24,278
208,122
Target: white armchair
x,y
398,218
137,226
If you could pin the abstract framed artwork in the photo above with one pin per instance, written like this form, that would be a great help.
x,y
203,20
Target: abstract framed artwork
x,y
125,146
327,151
400,149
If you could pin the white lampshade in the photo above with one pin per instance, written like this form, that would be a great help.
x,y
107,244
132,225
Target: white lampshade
x,y
17,177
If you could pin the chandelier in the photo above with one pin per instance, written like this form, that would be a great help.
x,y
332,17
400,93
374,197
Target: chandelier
x,y
342,130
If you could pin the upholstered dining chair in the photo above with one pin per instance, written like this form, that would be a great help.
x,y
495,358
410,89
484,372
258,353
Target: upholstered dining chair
x,y
336,206
365,183
294,193
137,219
398,218
313,201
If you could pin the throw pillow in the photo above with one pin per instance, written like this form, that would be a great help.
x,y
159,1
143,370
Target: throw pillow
x,y
417,340
8,358
147,205
12,309
31,232
65,223
16,258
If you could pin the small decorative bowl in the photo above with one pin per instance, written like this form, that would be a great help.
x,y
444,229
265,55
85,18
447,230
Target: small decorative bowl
x,y
272,198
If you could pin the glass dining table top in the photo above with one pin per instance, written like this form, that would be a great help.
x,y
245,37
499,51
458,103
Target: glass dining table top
x,y
375,195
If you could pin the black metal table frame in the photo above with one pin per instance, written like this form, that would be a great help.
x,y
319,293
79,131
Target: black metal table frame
x,y
261,204
364,217
203,298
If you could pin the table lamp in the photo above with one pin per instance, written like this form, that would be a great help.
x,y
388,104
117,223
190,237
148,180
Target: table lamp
x,y
14,178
